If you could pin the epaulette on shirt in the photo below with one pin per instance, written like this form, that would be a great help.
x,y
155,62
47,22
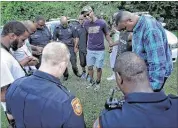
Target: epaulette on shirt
x,y
173,96
58,26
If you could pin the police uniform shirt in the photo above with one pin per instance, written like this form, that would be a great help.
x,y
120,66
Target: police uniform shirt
x,y
64,35
142,110
41,37
81,33
40,101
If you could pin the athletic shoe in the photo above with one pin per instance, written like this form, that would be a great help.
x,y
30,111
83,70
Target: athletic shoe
x,y
65,78
97,87
84,75
111,78
92,83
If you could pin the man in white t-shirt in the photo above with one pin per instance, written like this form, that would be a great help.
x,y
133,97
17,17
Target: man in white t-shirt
x,y
113,54
13,35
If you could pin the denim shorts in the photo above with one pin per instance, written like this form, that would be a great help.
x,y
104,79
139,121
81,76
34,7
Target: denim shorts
x,y
95,58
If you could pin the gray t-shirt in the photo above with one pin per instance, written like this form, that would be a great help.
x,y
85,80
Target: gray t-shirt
x,y
123,45
96,31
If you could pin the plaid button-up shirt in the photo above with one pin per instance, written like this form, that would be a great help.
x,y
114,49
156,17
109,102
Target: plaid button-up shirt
x,y
150,43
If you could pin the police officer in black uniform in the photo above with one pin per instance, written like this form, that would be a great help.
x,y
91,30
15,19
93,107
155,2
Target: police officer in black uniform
x,y
41,37
142,108
81,44
40,100
66,34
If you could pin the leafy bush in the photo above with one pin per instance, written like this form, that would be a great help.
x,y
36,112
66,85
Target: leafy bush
x,y
22,10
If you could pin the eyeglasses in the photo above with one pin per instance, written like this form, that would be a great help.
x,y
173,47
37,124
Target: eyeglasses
x,y
87,14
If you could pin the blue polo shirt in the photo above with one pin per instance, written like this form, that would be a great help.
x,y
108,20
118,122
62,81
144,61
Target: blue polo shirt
x,y
143,110
41,37
40,101
65,35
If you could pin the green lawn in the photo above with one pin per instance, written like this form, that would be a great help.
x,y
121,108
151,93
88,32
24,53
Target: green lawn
x,y
93,102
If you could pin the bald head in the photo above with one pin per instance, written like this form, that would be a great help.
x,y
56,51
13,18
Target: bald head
x,y
55,53
131,73
63,20
130,66
30,26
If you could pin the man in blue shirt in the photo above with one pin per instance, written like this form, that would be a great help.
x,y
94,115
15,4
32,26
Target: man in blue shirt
x,y
149,41
41,37
142,108
40,100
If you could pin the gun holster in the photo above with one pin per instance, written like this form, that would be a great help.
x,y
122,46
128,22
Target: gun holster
x,y
113,103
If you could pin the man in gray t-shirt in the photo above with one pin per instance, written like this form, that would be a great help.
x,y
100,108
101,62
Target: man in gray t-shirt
x,y
124,43
96,30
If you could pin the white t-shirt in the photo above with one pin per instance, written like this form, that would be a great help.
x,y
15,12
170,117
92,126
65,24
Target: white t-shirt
x,y
22,53
114,50
10,69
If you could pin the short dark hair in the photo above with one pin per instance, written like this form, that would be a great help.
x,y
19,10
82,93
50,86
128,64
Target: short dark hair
x,y
130,66
15,27
118,17
38,18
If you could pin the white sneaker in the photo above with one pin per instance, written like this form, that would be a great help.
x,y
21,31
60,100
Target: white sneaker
x,y
97,87
91,84
111,77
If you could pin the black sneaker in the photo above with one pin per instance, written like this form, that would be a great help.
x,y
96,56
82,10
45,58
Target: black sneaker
x,y
65,78
78,75
92,83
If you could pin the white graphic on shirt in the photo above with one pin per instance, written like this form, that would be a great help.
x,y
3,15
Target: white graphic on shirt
x,y
94,29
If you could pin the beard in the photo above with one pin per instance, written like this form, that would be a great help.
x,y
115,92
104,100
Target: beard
x,y
14,45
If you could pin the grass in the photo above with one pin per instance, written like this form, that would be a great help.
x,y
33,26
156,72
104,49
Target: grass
x,y
93,102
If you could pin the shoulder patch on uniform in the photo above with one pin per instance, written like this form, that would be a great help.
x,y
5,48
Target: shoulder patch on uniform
x,y
96,124
77,107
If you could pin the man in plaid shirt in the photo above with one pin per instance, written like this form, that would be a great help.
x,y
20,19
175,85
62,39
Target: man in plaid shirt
x,y
150,42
